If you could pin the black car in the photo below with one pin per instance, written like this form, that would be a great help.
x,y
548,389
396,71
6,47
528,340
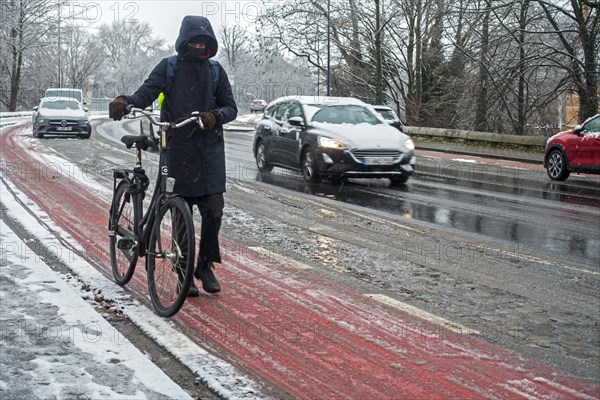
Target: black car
x,y
390,117
333,137
60,116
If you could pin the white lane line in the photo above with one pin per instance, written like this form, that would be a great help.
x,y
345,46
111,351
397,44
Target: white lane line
x,y
278,257
422,314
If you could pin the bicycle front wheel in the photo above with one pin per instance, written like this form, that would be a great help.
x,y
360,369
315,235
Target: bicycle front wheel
x,y
170,256
124,250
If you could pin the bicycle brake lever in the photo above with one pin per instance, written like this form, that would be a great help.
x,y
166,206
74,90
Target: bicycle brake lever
x,y
128,109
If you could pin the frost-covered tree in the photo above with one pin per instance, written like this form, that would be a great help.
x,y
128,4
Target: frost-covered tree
x,y
234,41
576,52
131,53
24,24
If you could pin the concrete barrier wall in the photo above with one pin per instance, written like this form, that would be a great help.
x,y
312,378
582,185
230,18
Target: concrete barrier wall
x,y
475,136
101,105
15,114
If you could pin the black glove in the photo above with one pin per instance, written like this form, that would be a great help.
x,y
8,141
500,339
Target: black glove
x,y
208,119
116,108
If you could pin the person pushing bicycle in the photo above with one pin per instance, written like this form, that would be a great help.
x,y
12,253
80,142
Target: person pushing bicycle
x,y
193,82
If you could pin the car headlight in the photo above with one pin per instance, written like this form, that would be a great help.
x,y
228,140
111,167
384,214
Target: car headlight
x,y
331,143
42,120
83,122
409,144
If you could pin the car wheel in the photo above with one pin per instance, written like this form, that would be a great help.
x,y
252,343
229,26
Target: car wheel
x,y
556,166
308,165
398,180
86,136
261,160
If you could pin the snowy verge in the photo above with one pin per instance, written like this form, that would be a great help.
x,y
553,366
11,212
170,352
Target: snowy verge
x,y
90,348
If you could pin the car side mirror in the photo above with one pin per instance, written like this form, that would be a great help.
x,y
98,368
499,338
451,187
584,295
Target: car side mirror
x,y
296,121
85,109
35,108
577,130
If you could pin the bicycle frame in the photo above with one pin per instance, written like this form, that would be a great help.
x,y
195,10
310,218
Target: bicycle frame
x,y
164,233
164,183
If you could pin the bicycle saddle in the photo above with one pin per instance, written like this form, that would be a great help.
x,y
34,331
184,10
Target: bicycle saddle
x,y
142,141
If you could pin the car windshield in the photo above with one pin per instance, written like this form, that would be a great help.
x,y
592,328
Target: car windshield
x,y
61,105
64,93
345,114
388,114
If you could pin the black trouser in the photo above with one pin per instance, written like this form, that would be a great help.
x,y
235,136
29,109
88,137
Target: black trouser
x,y
211,210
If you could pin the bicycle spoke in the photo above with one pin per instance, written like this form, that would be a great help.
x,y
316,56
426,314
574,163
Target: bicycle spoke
x,y
173,244
123,248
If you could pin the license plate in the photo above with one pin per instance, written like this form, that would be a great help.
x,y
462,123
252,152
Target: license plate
x,y
378,161
63,128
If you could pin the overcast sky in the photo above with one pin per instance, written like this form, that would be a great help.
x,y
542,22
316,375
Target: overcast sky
x,y
165,16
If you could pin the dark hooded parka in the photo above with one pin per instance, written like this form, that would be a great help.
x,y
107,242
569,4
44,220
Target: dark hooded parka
x,y
196,158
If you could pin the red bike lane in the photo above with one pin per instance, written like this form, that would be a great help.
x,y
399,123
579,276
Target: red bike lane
x,y
302,335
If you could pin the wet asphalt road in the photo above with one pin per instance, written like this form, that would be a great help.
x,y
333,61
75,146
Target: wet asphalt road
x,y
494,203
503,251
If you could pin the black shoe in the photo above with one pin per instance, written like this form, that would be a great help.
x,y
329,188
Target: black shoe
x,y
193,290
210,284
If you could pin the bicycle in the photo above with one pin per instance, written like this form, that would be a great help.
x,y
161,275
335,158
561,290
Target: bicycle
x,y
164,234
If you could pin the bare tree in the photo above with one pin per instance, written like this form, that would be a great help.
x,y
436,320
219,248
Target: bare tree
x,y
300,28
233,42
482,104
472,64
123,39
83,57
24,23
576,24
132,52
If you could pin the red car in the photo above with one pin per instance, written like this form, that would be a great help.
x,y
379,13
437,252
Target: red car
x,y
575,150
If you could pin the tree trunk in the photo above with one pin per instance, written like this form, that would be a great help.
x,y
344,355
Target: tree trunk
x,y
589,104
521,127
378,64
17,62
483,80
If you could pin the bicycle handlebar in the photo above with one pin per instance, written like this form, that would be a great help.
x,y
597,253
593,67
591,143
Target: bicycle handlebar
x,y
194,117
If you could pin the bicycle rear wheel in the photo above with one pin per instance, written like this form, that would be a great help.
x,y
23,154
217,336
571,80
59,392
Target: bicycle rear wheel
x,y
170,256
124,251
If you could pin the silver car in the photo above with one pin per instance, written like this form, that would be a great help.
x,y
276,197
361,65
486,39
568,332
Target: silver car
x,y
61,116
257,105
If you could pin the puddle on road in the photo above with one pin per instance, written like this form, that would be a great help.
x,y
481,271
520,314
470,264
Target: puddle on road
x,y
375,194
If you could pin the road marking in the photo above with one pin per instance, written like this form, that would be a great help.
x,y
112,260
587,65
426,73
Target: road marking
x,y
422,314
278,257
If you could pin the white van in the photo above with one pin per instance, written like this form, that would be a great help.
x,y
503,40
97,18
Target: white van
x,y
76,94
